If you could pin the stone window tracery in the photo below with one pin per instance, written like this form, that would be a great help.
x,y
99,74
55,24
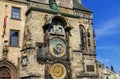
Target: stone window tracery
x,y
82,37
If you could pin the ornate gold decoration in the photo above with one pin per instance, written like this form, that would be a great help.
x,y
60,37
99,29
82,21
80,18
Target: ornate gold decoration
x,y
58,71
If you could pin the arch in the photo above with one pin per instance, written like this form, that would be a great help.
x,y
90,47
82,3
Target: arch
x,y
59,18
82,26
9,68
5,73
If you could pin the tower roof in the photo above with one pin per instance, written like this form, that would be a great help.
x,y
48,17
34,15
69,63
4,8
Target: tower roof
x,y
79,6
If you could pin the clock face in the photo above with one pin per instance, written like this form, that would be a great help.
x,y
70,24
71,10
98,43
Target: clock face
x,y
58,71
57,47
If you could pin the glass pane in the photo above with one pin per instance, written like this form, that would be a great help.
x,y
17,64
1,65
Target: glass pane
x,y
14,38
15,13
82,38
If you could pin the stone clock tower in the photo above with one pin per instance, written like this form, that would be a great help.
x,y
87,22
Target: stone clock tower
x,y
58,41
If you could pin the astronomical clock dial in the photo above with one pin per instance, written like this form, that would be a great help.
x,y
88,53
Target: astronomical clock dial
x,y
58,71
57,47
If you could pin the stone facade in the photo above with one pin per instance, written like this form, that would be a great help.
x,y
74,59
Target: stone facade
x,y
106,72
56,40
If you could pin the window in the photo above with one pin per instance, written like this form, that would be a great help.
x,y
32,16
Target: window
x,y
50,29
56,27
40,54
90,68
14,37
88,34
82,38
107,77
15,13
89,42
60,30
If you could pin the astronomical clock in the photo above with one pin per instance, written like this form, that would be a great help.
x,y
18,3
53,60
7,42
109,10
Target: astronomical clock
x,y
57,64
57,48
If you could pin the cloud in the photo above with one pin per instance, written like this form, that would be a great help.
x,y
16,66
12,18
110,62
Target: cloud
x,y
104,60
108,27
112,48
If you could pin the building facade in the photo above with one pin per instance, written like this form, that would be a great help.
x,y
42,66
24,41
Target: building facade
x,y
46,39
106,72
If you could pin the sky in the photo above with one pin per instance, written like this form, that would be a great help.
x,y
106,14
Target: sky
x,y
106,23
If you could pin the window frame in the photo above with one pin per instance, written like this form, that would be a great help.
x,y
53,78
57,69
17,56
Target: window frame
x,y
106,77
19,13
17,40
82,37
90,68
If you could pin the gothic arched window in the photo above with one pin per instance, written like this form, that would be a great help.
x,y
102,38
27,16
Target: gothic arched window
x,y
82,37
88,34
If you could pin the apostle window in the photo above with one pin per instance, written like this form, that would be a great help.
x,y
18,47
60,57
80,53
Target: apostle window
x,y
15,13
50,29
60,30
56,27
14,37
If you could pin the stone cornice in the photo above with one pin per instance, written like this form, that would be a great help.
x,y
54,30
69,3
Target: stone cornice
x,y
50,11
